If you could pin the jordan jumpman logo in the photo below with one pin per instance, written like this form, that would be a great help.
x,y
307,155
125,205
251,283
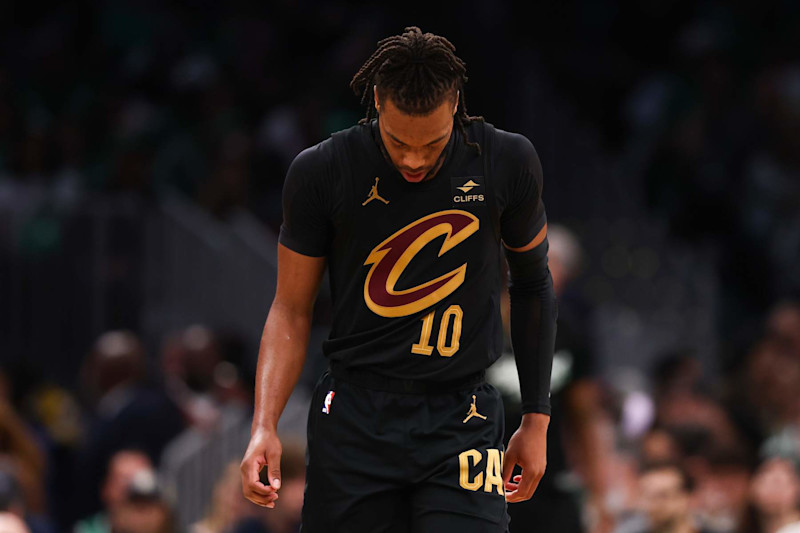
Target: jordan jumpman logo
x,y
473,411
373,194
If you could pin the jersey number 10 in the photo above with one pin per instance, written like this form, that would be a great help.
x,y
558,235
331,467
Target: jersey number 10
x,y
445,347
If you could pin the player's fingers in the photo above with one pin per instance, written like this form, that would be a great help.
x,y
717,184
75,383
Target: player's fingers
x,y
274,468
251,484
263,498
509,462
525,488
515,496
264,501
258,488
534,484
269,498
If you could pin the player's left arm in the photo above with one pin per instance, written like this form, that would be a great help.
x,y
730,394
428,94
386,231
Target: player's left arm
x,y
533,318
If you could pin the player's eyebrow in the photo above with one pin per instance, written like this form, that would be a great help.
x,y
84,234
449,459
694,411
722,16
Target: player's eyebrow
x,y
395,139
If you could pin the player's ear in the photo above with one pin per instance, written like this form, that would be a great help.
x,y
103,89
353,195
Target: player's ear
x,y
455,106
375,96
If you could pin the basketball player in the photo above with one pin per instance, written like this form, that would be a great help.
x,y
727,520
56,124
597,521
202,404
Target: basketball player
x,y
409,210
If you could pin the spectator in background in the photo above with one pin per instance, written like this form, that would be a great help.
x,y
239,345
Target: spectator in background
x,y
143,508
12,502
10,495
762,388
122,468
203,376
709,445
11,523
21,458
783,327
775,498
772,378
23,462
665,491
197,378
125,413
722,479
686,406
228,504
659,445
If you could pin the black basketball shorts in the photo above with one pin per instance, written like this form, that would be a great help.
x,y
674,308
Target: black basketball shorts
x,y
380,461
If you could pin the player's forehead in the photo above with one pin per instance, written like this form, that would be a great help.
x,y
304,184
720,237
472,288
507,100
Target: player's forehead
x,y
417,130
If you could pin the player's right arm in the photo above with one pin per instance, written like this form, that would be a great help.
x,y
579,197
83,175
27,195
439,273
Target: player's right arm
x,y
303,245
284,342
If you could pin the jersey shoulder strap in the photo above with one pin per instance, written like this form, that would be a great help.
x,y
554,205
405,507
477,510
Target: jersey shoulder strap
x,y
485,137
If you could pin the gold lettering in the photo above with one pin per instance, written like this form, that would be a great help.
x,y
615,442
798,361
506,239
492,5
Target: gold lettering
x,y
423,347
454,311
494,471
464,466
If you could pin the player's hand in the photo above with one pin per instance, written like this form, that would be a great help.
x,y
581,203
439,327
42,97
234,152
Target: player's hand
x,y
528,449
264,451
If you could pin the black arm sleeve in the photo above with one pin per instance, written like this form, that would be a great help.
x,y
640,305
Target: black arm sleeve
x,y
306,227
533,325
533,303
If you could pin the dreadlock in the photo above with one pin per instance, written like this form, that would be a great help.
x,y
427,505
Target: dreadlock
x,y
418,70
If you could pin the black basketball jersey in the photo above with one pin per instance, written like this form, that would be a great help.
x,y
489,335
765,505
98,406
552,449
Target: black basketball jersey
x,y
415,268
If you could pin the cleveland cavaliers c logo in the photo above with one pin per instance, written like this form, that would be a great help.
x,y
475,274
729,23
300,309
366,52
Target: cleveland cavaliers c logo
x,y
390,258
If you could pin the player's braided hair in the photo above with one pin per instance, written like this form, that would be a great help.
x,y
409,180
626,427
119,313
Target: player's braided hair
x,y
418,71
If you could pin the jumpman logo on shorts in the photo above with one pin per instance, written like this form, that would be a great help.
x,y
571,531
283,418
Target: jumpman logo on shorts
x,y
473,411
373,194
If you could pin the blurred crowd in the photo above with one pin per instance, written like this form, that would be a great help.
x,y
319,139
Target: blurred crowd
x,y
136,97
93,460
698,100
673,451
702,99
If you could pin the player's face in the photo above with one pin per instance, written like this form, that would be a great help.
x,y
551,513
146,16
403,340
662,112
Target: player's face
x,y
415,142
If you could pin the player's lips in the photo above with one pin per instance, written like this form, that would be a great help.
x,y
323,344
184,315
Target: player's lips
x,y
413,177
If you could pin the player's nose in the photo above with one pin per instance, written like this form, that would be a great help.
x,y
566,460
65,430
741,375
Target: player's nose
x,y
413,162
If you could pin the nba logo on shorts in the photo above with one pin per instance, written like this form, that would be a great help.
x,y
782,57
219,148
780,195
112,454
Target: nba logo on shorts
x,y
326,408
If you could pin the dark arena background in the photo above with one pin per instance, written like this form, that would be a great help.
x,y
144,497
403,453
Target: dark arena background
x,y
143,148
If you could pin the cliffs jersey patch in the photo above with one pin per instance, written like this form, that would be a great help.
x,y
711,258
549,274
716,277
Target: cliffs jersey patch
x,y
467,190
